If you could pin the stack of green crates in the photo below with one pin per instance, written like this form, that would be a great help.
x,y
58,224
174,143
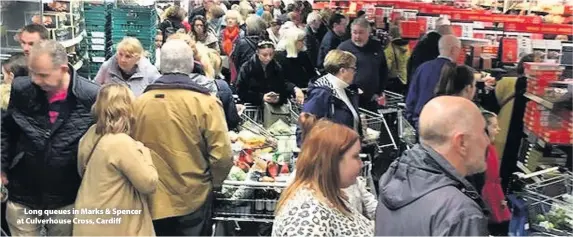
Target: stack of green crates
x,y
135,21
98,18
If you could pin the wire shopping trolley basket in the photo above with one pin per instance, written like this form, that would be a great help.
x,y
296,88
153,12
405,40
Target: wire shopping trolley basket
x,y
549,198
374,127
249,201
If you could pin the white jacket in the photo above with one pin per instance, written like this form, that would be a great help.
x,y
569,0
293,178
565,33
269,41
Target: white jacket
x,y
361,199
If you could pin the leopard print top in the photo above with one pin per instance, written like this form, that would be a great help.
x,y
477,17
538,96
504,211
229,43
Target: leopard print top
x,y
304,215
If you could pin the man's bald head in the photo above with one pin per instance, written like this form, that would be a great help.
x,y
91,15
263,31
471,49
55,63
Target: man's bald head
x,y
455,129
444,116
449,46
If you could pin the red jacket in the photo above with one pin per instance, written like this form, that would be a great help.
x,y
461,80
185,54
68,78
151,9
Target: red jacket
x,y
492,192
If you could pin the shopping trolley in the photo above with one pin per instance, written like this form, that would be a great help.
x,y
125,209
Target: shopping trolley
x,y
548,195
245,202
374,125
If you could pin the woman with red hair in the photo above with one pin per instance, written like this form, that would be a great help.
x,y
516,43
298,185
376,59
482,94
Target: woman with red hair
x,y
315,204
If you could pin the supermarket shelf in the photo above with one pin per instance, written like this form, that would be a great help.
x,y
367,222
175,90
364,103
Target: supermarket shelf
x,y
11,50
533,139
544,102
74,41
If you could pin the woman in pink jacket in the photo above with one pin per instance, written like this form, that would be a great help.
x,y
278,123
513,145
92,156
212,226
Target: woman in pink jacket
x,y
492,192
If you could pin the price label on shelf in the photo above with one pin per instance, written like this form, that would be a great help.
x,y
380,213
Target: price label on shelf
x,y
387,11
410,14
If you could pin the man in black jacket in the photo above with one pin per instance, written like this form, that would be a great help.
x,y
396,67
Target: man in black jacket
x,y
48,113
335,35
312,41
427,48
371,68
201,10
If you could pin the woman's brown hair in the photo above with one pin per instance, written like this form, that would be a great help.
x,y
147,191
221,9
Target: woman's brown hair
x,y
317,167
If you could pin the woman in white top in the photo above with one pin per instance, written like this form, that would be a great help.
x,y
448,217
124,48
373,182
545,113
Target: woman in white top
x,y
331,95
314,204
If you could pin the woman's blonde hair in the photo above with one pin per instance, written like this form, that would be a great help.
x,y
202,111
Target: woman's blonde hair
x,y
337,59
318,165
113,109
174,12
288,41
245,9
131,46
268,18
216,60
199,52
233,14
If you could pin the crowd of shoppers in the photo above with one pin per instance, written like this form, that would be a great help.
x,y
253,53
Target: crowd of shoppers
x,y
154,138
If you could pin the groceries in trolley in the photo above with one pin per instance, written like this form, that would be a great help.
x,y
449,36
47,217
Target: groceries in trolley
x,y
549,197
262,166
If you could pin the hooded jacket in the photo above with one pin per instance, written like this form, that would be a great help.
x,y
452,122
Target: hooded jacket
x,y
421,194
144,75
185,129
397,54
425,50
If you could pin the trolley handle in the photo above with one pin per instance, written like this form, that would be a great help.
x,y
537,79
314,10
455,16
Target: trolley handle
x,y
255,184
521,175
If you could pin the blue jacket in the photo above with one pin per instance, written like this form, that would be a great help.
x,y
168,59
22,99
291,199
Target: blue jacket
x,y
225,94
329,42
322,103
422,88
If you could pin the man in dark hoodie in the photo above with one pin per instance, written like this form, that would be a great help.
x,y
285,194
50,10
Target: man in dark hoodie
x,y
371,68
335,35
427,48
424,192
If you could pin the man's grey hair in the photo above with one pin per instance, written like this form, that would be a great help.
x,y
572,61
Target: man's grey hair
x,y
54,49
313,16
362,22
446,43
255,25
176,57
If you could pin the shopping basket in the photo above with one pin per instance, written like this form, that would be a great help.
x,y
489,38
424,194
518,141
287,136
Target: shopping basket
x,y
549,198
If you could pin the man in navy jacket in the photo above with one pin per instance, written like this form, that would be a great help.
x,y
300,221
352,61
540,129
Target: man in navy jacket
x,y
335,35
426,77
371,68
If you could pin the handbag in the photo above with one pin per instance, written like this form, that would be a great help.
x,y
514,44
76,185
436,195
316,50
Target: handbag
x,y
273,112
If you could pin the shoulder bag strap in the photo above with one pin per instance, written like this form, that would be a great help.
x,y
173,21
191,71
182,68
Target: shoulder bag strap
x,y
91,153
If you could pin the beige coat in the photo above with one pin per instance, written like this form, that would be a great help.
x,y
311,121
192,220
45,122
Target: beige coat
x,y
187,133
119,175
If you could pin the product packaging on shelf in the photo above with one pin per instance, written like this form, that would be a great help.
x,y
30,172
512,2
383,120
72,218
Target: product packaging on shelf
x,y
554,124
62,34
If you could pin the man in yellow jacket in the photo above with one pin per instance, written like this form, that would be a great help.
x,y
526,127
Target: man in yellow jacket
x,y
185,129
